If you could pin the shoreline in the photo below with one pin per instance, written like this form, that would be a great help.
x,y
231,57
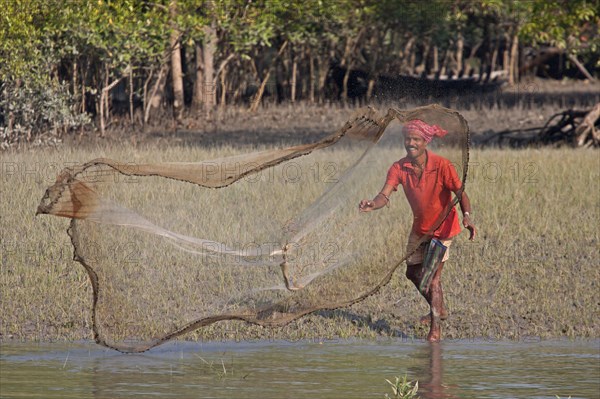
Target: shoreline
x,y
249,343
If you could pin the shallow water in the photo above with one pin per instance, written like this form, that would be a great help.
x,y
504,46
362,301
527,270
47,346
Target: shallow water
x,y
326,369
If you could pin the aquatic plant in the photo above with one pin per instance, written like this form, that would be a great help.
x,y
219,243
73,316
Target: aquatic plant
x,y
403,389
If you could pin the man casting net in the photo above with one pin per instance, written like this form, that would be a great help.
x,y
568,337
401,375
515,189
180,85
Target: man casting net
x,y
265,237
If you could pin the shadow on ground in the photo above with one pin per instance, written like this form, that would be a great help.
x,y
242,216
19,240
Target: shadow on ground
x,y
380,326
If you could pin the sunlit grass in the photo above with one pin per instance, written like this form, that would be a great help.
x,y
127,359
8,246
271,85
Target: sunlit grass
x,y
532,272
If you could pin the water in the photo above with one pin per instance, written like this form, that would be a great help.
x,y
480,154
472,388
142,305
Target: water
x,y
328,369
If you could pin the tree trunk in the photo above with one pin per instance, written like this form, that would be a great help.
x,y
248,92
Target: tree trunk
x,y
436,61
460,45
75,88
83,78
374,61
513,71
346,54
344,97
176,70
506,55
197,98
221,72
411,61
445,61
261,89
145,98
104,103
370,88
283,75
408,57
513,67
474,50
587,128
293,82
581,67
494,56
311,77
223,88
260,92
157,92
233,83
131,94
346,62
422,67
323,66
210,47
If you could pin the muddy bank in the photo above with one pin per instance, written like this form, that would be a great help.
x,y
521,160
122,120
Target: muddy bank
x,y
527,105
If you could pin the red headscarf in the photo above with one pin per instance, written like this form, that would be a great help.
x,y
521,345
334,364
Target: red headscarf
x,y
428,132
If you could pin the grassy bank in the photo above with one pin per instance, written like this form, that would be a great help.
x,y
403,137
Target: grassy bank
x,y
532,272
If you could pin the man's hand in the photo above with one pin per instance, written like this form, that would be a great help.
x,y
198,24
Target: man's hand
x,y
366,205
379,201
469,225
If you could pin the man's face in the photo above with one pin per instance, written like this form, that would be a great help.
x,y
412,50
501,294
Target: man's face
x,y
414,144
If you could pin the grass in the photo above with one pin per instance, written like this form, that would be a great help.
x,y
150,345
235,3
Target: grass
x,y
532,273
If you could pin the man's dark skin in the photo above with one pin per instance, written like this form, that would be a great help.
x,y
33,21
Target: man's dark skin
x,y
416,147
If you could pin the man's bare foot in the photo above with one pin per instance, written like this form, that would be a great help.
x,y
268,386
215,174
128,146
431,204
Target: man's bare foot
x,y
435,335
426,320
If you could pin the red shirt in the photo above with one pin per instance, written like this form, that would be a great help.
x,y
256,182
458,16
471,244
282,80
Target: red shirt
x,y
429,195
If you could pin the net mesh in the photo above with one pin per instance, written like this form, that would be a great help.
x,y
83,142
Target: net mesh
x,y
265,237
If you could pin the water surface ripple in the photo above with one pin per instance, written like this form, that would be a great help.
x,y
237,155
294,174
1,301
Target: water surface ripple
x,y
321,369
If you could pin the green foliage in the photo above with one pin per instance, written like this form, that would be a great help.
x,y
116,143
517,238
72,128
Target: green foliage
x,y
39,36
403,389
21,39
117,33
31,99
120,34
91,42
565,24
35,107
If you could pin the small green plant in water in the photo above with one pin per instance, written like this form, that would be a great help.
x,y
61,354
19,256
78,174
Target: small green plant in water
x,y
403,389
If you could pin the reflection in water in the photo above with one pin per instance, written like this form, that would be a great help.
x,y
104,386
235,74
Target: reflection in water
x,y
467,369
431,377
175,374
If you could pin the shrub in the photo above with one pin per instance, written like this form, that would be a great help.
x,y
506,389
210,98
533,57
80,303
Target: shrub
x,y
36,110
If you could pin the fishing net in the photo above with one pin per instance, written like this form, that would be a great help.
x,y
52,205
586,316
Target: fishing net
x,y
265,237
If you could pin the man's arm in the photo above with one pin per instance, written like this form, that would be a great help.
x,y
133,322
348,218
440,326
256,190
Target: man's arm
x,y
465,206
380,200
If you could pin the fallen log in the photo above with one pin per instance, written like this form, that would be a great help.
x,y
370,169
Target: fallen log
x,y
578,128
586,134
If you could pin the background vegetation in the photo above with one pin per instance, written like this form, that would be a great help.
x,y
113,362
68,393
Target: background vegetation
x,y
66,64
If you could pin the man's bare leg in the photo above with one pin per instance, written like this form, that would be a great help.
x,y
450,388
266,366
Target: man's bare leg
x,y
436,286
436,302
434,297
